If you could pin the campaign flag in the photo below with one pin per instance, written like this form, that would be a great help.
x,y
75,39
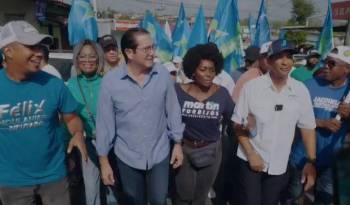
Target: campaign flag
x,y
262,32
251,25
228,37
164,48
181,33
167,30
82,23
325,42
220,7
199,30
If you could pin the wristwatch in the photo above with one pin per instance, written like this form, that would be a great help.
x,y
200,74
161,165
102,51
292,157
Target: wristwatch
x,y
311,161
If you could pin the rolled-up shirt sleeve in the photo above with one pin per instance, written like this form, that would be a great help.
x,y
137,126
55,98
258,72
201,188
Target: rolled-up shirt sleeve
x,y
105,121
241,110
307,117
173,113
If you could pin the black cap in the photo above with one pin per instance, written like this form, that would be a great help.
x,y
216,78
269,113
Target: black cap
x,y
107,40
252,53
281,45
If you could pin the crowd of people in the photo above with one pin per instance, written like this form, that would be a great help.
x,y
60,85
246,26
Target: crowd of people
x,y
147,132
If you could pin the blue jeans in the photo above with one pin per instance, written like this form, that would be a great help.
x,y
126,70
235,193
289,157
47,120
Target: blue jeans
x,y
137,184
323,187
92,179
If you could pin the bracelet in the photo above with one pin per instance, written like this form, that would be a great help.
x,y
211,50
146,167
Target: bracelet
x,y
311,161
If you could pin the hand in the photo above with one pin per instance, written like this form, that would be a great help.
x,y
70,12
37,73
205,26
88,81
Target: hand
x,y
177,156
308,176
332,125
344,110
106,172
78,140
255,161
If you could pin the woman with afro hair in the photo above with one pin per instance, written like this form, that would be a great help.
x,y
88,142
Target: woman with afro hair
x,y
204,106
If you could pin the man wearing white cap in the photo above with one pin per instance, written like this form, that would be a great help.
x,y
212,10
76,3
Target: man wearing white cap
x,y
327,98
32,153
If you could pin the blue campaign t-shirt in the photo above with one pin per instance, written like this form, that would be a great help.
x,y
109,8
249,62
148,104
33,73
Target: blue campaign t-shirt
x,y
203,119
31,149
325,101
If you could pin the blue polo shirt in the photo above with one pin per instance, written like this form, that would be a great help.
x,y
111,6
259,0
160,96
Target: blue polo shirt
x,y
31,149
325,101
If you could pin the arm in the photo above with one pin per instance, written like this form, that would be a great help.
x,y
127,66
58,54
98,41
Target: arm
x,y
240,115
309,171
255,161
75,127
105,132
175,125
307,124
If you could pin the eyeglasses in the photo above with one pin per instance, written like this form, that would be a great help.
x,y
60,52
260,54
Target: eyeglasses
x,y
86,58
148,49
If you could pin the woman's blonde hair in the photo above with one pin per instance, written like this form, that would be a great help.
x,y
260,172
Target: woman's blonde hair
x,y
98,50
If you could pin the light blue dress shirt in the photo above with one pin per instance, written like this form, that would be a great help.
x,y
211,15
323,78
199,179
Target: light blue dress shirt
x,y
138,121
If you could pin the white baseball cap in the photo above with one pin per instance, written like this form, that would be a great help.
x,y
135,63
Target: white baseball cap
x,y
265,47
22,32
177,59
343,54
170,66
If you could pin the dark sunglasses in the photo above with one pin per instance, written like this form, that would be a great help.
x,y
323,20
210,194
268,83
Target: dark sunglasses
x,y
332,63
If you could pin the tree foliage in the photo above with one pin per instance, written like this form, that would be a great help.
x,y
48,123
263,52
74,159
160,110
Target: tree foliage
x,y
302,9
297,37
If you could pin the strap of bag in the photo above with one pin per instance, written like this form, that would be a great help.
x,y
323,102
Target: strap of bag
x,y
86,104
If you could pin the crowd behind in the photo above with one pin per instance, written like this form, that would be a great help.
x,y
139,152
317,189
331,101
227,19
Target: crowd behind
x,y
136,130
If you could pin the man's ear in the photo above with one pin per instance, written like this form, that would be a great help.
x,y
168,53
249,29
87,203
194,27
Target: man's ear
x,y
8,51
130,53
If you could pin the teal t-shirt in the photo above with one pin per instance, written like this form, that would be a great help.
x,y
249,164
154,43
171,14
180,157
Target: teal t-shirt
x,y
90,87
302,73
31,149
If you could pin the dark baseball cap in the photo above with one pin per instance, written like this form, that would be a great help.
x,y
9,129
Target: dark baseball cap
x,y
107,40
252,53
281,45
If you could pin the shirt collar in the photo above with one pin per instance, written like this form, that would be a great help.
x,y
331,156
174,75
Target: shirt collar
x,y
125,74
90,78
269,84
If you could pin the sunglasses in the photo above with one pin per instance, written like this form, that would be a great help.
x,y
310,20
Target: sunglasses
x,y
332,63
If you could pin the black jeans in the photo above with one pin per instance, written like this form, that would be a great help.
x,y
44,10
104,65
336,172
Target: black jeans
x,y
259,188
192,183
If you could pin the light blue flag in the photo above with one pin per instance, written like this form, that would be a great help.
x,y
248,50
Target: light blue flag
x,y
220,7
262,33
228,37
181,33
82,23
251,25
164,47
282,34
325,42
199,30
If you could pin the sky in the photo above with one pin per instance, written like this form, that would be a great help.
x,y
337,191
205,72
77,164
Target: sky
x,y
277,9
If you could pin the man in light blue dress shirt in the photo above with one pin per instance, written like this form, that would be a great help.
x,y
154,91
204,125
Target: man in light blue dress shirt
x,y
137,115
